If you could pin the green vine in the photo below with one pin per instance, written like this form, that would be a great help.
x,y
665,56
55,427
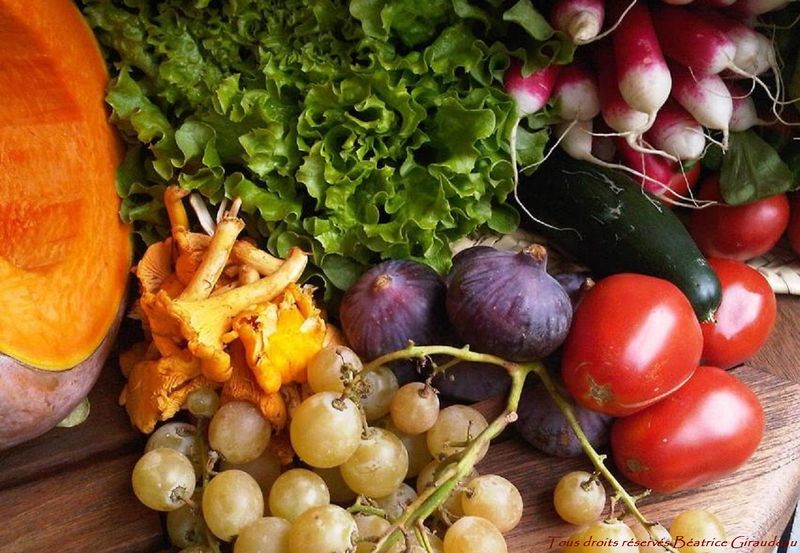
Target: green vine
x,y
451,475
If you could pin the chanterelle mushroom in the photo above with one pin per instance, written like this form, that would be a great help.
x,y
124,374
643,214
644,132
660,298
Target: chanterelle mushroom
x,y
280,339
157,389
219,250
155,266
206,324
221,311
243,387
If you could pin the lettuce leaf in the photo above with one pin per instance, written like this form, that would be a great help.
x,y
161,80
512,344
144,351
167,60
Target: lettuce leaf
x,y
359,130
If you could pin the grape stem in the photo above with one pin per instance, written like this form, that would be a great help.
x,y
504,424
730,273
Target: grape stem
x,y
453,474
359,507
597,460
207,465
422,538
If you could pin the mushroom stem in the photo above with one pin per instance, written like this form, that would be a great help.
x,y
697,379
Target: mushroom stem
x,y
210,269
173,201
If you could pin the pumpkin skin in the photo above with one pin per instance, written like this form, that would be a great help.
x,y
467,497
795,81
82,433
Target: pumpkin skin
x,y
65,254
32,401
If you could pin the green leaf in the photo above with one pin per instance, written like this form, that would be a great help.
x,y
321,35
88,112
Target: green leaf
x,y
504,219
712,159
526,16
341,271
530,147
456,131
358,130
752,170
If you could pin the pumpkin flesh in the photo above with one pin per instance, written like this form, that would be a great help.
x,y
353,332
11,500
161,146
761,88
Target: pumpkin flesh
x,y
64,253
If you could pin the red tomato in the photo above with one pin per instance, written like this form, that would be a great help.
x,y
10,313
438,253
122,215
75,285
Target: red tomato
x,y
793,230
745,317
740,232
704,431
634,340
682,181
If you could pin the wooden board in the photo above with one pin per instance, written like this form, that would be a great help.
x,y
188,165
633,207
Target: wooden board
x,y
69,491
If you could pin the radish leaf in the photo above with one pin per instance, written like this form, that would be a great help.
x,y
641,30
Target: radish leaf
x,y
752,170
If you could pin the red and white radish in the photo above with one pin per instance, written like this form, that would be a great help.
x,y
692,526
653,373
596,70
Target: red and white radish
x,y
655,167
643,77
531,92
716,4
676,132
661,177
577,140
705,97
765,57
693,42
580,20
576,93
752,54
616,112
744,114
603,145
751,8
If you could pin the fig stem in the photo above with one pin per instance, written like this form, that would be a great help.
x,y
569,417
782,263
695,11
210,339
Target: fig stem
x,y
451,476
597,460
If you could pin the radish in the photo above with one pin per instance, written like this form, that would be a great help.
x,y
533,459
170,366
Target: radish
x,y
706,98
676,132
615,111
661,177
753,49
531,92
749,8
603,146
642,74
765,57
693,42
580,20
716,4
577,140
655,167
678,2
744,114
576,92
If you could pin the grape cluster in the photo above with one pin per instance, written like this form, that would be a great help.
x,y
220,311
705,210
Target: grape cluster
x,y
580,499
359,438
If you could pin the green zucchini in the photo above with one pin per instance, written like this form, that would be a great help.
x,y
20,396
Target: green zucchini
x,y
605,220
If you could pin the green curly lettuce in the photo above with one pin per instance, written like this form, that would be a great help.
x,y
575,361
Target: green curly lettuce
x,y
360,131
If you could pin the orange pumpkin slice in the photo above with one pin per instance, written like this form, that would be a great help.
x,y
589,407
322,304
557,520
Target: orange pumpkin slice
x,y
64,253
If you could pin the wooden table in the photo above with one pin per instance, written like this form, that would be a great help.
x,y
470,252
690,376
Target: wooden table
x,y
69,491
